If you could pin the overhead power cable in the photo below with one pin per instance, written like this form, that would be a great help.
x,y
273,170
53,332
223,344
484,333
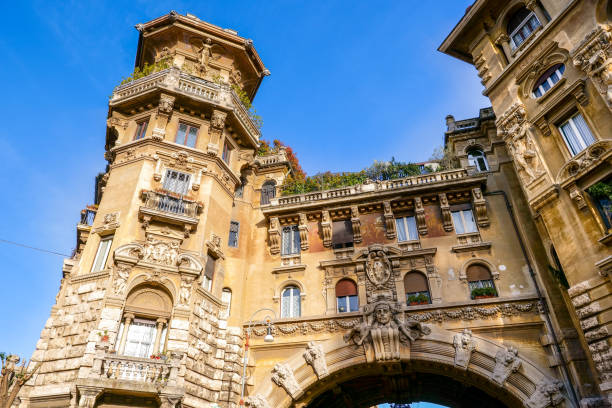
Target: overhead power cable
x,y
34,248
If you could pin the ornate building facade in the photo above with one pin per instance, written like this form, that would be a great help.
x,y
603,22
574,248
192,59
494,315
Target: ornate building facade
x,y
432,287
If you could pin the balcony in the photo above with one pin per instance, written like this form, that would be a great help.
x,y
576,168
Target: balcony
x,y
167,207
88,215
379,187
173,80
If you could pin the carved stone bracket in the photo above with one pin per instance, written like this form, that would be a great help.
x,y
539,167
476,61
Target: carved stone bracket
x,y
419,211
109,223
506,363
214,246
274,236
315,357
446,214
356,223
164,110
215,130
282,375
577,196
464,346
303,229
594,56
480,208
88,396
389,220
256,401
547,394
326,227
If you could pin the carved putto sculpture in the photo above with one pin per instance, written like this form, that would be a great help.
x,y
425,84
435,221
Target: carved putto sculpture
x,y
283,376
546,394
525,155
122,272
383,327
161,252
506,363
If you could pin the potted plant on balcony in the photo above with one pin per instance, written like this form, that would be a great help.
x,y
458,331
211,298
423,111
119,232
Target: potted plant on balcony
x,y
420,299
159,356
483,293
103,336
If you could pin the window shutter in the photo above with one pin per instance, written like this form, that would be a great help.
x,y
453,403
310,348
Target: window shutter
x,y
342,232
209,270
346,287
415,282
477,273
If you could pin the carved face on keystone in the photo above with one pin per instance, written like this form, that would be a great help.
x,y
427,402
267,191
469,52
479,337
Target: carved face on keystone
x,y
383,314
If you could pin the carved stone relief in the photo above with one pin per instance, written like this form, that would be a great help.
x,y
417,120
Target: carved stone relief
x,y
122,272
303,229
419,211
274,236
546,394
480,208
283,376
356,224
256,401
315,357
446,214
215,130
389,220
594,56
326,227
506,363
464,346
160,252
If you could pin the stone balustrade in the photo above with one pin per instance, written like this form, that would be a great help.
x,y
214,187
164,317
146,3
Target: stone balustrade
x,y
174,80
423,179
143,370
271,159
166,203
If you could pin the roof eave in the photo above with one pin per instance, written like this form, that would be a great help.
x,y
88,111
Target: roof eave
x,y
447,46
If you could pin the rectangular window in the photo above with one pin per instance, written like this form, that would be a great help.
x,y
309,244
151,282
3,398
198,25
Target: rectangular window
x,y
102,254
576,134
209,273
347,303
233,234
290,240
177,182
141,129
464,221
342,234
406,229
227,150
524,30
140,338
187,135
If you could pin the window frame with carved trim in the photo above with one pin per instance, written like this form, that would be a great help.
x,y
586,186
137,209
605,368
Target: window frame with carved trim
x,y
294,299
572,123
141,129
290,240
188,129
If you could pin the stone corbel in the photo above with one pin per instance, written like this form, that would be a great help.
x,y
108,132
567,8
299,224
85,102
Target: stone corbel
x,y
215,131
579,92
198,179
214,246
356,223
164,110
157,173
389,220
446,214
480,208
544,126
88,396
303,228
419,212
577,196
326,227
274,236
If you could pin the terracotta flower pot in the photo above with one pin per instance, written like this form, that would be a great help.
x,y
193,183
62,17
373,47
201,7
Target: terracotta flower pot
x,y
484,296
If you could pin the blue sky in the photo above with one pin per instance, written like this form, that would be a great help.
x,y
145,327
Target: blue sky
x,y
351,82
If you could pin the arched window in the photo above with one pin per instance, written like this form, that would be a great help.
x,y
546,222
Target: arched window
x,y
416,288
226,297
477,159
548,79
142,332
291,302
521,25
480,281
346,296
268,191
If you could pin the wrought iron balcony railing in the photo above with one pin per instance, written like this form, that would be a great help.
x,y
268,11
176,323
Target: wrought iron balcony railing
x,y
88,215
167,203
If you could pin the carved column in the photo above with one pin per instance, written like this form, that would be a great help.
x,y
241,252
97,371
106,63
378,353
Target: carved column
x,y
164,110
419,212
215,130
446,214
480,208
326,226
356,223
389,220
126,326
274,236
504,41
303,228
535,7
160,327
594,57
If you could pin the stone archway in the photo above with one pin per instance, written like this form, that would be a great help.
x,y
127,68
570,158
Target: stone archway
x,y
466,363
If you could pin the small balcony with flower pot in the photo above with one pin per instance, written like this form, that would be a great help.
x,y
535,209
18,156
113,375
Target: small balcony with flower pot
x,y
483,293
417,299
166,206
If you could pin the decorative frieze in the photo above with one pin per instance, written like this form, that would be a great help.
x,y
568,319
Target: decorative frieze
x,y
315,357
446,213
356,224
594,56
419,212
506,363
389,220
480,208
464,346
